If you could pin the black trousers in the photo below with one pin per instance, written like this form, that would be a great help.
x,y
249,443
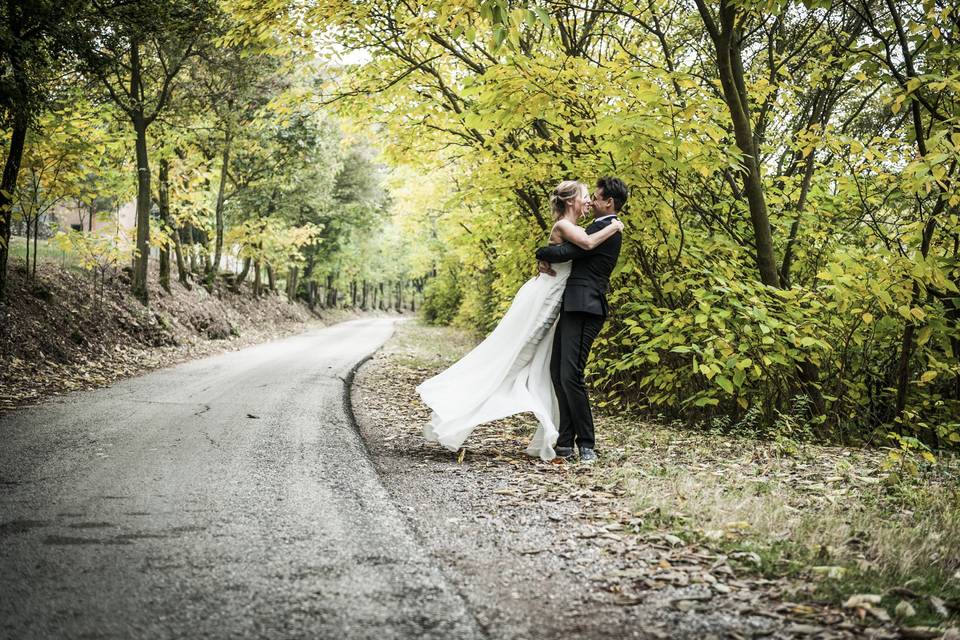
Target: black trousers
x,y
571,347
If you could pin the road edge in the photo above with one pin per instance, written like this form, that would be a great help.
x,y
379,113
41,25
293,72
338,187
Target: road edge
x,y
348,384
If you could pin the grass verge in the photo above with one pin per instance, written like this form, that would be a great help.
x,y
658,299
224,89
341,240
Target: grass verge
x,y
46,252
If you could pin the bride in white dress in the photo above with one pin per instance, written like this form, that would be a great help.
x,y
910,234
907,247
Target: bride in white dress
x,y
509,372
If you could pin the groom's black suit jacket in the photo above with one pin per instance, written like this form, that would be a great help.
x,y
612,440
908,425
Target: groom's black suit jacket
x,y
586,289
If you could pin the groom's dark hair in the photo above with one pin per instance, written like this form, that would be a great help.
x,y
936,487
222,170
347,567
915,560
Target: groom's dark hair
x,y
614,188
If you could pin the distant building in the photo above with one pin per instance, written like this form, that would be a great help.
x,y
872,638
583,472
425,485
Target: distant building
x,y
70,216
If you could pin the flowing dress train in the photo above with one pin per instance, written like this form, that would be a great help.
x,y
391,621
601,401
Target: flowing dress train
x,y
506,374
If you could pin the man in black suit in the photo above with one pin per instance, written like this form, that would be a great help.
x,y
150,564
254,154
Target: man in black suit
x,y
583,313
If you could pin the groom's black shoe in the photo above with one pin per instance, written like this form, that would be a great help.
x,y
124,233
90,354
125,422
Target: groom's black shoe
x,y
564,452
587,456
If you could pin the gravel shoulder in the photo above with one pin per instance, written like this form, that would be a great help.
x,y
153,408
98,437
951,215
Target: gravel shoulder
x,y
551,550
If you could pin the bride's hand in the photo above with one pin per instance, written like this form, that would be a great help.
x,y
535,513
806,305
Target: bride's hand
x,y
618,225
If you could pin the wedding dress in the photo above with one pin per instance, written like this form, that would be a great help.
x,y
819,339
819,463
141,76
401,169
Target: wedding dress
x,y
507,373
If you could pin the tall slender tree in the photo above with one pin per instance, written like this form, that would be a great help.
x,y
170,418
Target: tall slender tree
x,y
136,51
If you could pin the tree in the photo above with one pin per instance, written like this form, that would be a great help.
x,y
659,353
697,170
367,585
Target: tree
x,y
136,51
726,33
283,168
72,156
32,41
231,90
811,145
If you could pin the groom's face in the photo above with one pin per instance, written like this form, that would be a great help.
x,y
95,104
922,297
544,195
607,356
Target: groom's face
x,y
601,204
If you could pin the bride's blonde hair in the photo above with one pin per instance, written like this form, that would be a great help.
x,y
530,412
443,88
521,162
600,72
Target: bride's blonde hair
x,y
563,194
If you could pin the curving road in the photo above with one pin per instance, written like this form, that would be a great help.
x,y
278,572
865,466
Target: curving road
x,y
227,497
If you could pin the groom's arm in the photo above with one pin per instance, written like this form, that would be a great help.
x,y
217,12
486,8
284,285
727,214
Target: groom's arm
x,y
562,252
565,251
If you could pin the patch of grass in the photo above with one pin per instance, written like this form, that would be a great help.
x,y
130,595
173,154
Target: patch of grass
x,y
830,515
916,591
420,346
46,252
822,579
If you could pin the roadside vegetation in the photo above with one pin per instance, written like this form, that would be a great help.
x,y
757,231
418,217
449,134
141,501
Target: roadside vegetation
x,y
856,526
791,244
792,231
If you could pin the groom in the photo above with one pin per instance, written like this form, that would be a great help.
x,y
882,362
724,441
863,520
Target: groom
x,y
581,318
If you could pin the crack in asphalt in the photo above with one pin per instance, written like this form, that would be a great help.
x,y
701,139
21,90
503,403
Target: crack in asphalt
x,y
213,442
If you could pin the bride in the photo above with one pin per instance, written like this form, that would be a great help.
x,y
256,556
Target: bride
x,y
509,372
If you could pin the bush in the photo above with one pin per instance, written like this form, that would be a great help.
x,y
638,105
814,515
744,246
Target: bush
x,y
441,298
709,340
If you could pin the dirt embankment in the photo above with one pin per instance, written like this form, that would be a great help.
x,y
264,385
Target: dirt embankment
x,y
59,333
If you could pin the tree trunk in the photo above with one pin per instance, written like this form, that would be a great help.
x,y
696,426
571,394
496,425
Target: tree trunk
x,y
11,169
165,268
181,266
271,280
726,41
242,276
218,211
953,314
192,254
26,235
163,201
142,258
292,284
363,299
787,265
256,278
36,235
907,342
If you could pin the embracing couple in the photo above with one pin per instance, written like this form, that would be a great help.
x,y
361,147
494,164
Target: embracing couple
x,y
533,361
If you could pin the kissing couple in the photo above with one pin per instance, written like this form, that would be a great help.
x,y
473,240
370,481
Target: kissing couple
x,y
533,361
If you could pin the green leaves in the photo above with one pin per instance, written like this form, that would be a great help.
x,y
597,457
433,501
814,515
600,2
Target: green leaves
x,y
493,103
725,384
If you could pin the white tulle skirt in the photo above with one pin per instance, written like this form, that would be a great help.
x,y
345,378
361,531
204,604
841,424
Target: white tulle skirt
x,y
506,374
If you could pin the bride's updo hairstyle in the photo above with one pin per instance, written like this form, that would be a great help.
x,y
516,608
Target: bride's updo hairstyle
x,y
565,192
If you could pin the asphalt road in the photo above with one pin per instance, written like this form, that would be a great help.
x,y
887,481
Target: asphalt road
x,y
224,498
